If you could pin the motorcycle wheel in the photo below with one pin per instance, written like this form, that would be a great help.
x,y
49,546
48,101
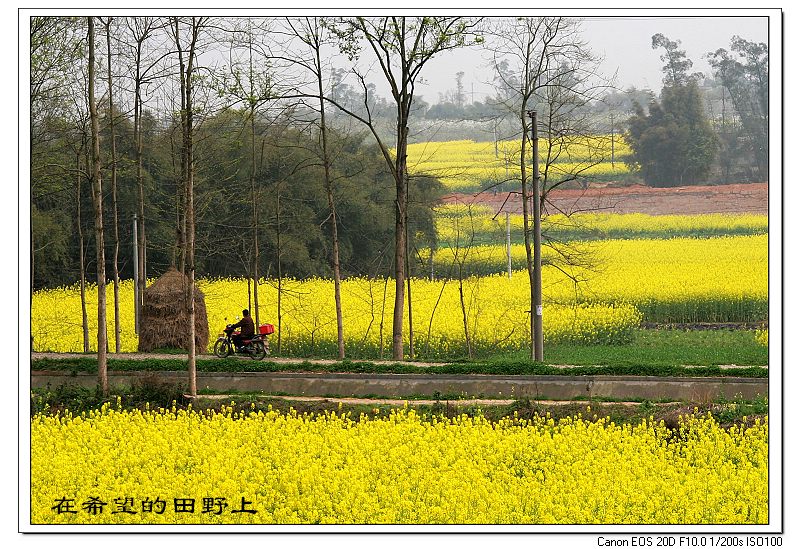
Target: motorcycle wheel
x,y
222,348
258,352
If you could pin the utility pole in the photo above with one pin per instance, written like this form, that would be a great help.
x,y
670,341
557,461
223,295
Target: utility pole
x,y
408,284
612,140
508,242
496,152
538,337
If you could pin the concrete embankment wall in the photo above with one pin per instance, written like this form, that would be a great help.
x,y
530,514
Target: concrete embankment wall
x,y
697,389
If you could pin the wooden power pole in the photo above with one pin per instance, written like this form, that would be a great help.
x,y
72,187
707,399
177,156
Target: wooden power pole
x,y
508,243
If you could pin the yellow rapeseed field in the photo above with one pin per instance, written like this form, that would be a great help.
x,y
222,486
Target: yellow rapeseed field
x,y
721,279
463,165
460,222
677,280
496,310
178,466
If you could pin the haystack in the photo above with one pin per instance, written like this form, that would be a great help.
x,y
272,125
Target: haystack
x,y
165,315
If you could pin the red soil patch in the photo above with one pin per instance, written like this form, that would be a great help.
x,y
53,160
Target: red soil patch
x,y
737,198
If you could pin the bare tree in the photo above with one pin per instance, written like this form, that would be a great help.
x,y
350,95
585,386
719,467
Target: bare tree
x,y
542,64
114,209
81,253
141,30
279,261
401,46
80,174
459,239
97,199
311,31
251,86
461,246
195,26
80,134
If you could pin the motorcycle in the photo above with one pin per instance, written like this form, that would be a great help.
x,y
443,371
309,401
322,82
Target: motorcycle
x,y
257,347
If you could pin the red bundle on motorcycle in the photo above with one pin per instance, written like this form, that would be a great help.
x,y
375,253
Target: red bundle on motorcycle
x,y
266,329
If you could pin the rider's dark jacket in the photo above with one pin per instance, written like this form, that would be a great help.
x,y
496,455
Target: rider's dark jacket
x,y
248,328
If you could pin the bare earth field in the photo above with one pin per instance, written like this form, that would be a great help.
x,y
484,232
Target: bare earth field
x,y
736,198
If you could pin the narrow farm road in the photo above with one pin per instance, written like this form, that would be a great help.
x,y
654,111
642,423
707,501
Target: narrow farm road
x,y
286,360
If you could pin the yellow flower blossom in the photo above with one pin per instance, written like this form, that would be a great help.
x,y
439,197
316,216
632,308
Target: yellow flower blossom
x,y
399,469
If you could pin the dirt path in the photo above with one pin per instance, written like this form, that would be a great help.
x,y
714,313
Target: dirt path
x,y
736,198
286,360
279,360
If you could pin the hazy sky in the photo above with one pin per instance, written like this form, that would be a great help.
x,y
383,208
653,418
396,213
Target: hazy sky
x,y
625,42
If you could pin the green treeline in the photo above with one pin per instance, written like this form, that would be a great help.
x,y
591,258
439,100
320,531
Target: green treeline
x,y
290,197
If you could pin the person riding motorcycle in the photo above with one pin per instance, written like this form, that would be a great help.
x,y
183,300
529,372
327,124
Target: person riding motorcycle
x,y
247,329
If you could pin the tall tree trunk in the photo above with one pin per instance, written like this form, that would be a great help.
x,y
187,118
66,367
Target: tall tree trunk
x,y
249,291
181,197
536,288
115,264
181,190
187,168
526,227
253,189
401,183
408,289
141,275
97,195
33,264
254,199
189,218
82,258
190,267
337,278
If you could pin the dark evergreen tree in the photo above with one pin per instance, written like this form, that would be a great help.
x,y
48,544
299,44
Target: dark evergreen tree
x,y
673,144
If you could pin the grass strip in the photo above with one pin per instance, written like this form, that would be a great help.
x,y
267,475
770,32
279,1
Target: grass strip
x,y
498,367
663,347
